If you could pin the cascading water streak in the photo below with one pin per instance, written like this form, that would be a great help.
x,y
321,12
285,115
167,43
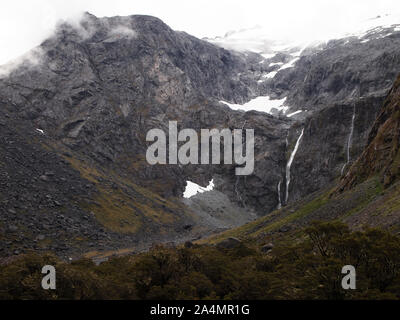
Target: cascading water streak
x,y
289,164
279,195
349,141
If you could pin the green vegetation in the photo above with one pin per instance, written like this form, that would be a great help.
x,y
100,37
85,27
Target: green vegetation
x,y
325,205
310,269
303,211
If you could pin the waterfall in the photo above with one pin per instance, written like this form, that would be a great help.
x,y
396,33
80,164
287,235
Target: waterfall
x,y
289,164
349,141
279,195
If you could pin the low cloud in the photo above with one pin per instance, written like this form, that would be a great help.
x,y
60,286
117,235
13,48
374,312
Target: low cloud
x,y
26,61
25,24
124,31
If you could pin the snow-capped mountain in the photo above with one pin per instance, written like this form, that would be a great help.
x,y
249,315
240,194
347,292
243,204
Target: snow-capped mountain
x,y
256,40
261,40
282,63
81,113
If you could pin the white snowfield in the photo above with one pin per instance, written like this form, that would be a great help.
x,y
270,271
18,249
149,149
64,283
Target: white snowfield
x,y
260,39
378,24
261,104
192,189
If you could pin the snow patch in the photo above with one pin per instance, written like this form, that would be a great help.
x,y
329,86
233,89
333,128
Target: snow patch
x,y
294,113
268,55
270,75
192,189
275,64
261,104
290,64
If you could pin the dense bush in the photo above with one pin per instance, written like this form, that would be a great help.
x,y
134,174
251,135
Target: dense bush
x,y
310,269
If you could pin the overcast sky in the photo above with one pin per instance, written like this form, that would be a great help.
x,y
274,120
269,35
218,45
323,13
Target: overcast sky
x,y
24,24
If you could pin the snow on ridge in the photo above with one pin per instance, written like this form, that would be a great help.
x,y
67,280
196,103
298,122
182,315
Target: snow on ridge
x,y
275,64
379,24
260,40
268,55
290,64
261,104
270,75
256,40
192,189
294,113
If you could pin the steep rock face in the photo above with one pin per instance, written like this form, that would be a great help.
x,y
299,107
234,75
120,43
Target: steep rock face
x,y
89,101
330,82
332,141
327,82
135,73
342,70
381,157
140,58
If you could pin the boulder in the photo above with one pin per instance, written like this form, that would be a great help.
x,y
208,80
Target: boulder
x,y
229,243
267,248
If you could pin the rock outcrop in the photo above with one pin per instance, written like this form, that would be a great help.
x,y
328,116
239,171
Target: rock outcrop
x,y
382,155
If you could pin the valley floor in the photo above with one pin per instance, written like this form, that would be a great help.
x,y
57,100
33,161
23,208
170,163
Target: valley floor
x,y
285,255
